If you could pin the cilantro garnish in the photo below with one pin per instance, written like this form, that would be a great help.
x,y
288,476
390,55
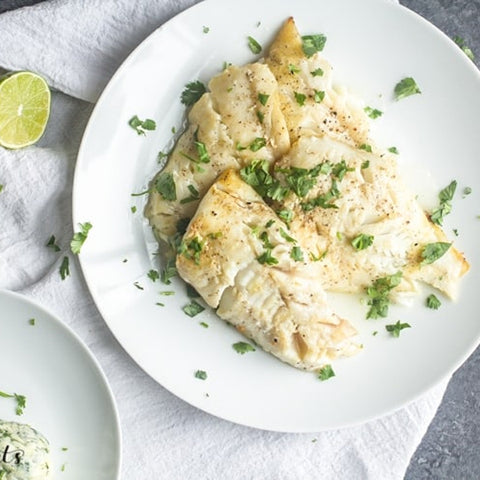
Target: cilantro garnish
x,y
393,150
300,98
293,69
405,87
318,96
191,249
153,275
324,200
137,285
192,93
362,241
205,29
51,244
285,215
433,302
433,251
317,73
79,237
263,98
445,196
396,328
312,44
296,254
254,46
32,322
260,116
466,50
20,399
301,180
325,373
194,195
258,176
65,268
373,112
366,147
201,374
257,144
140,126
243,347
168,272
165,186
378,293
193,308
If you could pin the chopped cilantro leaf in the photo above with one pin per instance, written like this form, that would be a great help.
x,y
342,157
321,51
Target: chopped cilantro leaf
x,y
65,268
191,249
318,96
193,308
378,294
366,147
296,254
362,241
254,46
32,321
293,68
192,93
51,244
263,98
300,98
393,150
325,373
433,251
201,374
257,144
243,347
396,328
433,302
466,50
165,186
79,238
168,272
405,87
153,275
312,44
317,73
205,29
140,126
373,112
194,195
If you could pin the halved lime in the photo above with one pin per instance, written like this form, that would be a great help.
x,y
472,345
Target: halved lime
x,y
24,109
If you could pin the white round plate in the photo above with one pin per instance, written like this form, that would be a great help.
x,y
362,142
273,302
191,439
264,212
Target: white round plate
x,y
67,396
372,45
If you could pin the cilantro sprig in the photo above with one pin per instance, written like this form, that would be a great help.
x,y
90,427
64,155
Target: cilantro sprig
x,y
396,328
21,401
80,237
192,93
312,44
445,196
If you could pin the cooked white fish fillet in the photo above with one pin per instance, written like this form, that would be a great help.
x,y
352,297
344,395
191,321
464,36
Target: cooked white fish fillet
x,y
326,109
371,199
237,254
236,121
351,218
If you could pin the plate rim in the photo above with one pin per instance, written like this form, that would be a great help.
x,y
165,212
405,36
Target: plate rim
x,y
83,347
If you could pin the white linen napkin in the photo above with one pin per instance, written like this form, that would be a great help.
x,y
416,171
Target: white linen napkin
x,y
77,45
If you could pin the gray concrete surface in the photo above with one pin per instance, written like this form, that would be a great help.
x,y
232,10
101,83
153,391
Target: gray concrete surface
x,y
450,449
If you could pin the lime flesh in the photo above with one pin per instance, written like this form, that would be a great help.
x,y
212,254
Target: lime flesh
x,y
24,109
